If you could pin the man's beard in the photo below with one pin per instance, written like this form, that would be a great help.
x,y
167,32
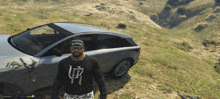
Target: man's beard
x,y
79,54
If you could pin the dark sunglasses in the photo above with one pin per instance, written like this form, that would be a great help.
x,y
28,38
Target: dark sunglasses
x,y
73,48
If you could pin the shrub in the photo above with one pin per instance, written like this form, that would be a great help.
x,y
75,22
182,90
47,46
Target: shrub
x,y
217,8
185,46
206,42
213,42
181,11
217,69
122,25
141,3
168,7
154,17
210,17
173,67
166,90
200,27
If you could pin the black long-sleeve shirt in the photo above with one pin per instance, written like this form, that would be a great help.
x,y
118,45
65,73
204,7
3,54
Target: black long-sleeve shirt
x,y
88,67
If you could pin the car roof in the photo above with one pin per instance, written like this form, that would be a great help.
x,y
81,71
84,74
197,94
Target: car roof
x,y
76,28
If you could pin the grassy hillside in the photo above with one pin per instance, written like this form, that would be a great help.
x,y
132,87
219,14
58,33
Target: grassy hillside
x,y
173,62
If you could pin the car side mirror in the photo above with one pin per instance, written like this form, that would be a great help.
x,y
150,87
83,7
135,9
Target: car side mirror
x,y
57,52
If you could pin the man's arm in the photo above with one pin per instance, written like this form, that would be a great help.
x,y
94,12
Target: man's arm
x,y
57,83
99,78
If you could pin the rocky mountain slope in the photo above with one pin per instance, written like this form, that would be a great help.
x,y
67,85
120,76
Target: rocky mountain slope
x,y
180,41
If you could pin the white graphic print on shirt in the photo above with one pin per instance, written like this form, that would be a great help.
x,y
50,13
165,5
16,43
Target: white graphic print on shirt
x,y
77,72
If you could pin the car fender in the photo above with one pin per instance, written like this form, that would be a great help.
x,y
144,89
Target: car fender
x,y
16,72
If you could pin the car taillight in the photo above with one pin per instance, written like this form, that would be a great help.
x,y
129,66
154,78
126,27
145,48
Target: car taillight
x,y
139,50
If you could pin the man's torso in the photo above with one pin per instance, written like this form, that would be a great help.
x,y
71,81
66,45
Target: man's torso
x,y
77,75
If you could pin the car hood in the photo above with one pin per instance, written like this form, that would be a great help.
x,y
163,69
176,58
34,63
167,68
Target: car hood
x,y
9,53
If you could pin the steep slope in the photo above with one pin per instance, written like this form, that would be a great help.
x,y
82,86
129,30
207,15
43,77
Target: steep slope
x,y
173,63
108,11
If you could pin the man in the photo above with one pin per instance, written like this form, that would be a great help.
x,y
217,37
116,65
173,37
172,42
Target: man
x,y
76,74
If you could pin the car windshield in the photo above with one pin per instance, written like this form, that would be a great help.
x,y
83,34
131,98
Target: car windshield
x,y
35,40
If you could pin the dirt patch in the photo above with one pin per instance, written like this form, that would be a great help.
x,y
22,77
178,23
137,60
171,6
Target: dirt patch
x,y
108,11
117,88
112,85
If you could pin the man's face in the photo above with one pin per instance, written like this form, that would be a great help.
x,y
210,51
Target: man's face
x,y
76,51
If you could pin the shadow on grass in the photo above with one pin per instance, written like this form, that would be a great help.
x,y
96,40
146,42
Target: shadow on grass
x,y
216,4
120,27
176,3
112,85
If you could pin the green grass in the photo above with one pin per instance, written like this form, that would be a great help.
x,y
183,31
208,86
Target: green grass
x,y
174,62
96,95
159,54
149,10
208,61
126,96
54,1
41,0
197,86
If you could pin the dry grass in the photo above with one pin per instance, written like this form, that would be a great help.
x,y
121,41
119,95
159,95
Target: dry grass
x,y
159,56
196,3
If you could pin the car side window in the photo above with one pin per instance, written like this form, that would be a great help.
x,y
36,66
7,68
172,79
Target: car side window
x,y
65,45
44,36
111,41
85,38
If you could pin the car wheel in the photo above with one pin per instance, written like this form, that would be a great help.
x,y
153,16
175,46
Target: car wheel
x,y
120,69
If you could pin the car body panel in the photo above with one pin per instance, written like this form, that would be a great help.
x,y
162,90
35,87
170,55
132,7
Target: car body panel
x,y
6,49
7,52
31,77
46,72
77,28
95,33
108,58
85,28
43,74
17,75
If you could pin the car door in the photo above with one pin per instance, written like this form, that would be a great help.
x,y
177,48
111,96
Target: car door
x,y
48,63
109,50
46,70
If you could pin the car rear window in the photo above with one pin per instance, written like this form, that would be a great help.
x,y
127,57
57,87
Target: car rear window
x,y
113,41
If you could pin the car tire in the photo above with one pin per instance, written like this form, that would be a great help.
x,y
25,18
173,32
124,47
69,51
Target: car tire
x,y
120,69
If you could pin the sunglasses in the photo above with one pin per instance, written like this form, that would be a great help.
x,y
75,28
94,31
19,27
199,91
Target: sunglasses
x,y
73,48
